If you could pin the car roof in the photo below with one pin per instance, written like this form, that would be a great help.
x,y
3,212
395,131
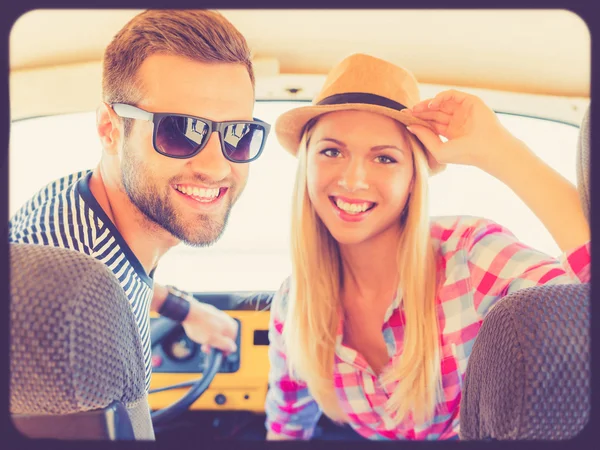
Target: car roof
x,y
526,51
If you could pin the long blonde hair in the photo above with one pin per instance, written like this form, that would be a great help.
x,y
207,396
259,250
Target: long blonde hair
x,y
314,304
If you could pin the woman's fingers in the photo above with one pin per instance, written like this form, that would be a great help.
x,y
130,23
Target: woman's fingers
x,y
447,102
436,120
449,98
438,117
430,140
421,106
440,129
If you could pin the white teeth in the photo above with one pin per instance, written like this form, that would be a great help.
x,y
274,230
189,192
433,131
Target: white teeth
x,y
352,208
209,194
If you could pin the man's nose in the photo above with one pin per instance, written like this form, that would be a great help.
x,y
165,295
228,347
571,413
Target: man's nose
x,y
211,161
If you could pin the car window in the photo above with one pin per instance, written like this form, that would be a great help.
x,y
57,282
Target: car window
x,y
253,253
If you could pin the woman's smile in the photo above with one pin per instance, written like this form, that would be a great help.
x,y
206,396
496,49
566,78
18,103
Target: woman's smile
x,y
351,210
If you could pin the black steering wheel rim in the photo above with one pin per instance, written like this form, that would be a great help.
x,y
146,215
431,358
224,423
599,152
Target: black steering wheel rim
x,y
161,328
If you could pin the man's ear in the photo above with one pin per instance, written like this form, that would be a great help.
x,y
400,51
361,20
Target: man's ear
x,y
109,127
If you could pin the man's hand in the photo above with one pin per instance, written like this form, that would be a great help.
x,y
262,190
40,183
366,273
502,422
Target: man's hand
x,y
204,324
211,327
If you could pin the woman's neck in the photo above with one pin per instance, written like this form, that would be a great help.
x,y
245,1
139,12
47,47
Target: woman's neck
x,y
370,269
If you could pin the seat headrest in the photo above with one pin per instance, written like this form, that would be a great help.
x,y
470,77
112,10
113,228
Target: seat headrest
x,y
74,342
528,375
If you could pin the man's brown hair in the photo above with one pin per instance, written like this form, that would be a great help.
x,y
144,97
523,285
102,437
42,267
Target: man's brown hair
x,y
200,35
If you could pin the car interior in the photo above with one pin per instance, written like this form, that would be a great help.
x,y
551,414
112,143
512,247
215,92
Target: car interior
x,y
78,374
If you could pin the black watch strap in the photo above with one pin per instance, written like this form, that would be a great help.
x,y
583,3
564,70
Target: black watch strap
x,y
174,307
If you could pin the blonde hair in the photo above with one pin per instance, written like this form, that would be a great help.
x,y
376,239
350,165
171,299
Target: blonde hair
x,y
314,304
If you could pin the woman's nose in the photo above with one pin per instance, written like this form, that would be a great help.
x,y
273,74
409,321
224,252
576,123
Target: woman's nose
x,y
354,177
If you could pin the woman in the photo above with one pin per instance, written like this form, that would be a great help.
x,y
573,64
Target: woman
x,y
376,323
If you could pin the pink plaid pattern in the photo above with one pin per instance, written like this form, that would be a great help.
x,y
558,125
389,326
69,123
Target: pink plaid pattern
x,y
479,262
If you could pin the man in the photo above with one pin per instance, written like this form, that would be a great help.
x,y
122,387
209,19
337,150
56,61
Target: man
x,y
163,178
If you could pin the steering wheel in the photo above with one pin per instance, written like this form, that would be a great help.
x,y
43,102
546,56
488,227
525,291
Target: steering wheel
x,y
160,329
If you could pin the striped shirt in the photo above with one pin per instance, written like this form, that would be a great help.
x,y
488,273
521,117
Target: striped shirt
x,y
479,262
66,214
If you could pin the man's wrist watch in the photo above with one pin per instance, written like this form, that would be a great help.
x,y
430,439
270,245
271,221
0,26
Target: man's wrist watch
x,y
175,306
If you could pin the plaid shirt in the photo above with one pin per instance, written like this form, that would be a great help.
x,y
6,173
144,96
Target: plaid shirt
x,y
479,262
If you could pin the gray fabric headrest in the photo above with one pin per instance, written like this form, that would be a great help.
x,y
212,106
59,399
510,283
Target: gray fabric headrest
x,y
74,343
529,371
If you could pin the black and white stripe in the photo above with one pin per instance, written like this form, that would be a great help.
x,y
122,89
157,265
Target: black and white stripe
x,y
65,214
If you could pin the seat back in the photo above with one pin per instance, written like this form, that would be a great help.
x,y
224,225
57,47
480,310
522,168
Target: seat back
x,y
76,359
528,375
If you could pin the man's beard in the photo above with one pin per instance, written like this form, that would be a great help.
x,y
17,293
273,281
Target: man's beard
x,y
159,209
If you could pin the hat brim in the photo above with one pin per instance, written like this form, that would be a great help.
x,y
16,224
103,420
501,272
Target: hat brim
x,y
290,125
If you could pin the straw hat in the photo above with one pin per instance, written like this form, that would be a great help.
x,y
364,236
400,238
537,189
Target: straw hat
x,y
359,82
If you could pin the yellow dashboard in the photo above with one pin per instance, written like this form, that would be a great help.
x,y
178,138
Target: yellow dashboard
x,y
245,388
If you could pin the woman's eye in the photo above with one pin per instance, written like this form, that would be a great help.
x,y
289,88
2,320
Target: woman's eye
x,y
385,159
330,152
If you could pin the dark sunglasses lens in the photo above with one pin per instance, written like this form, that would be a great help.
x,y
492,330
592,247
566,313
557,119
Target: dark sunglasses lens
x,y
180,136
243,141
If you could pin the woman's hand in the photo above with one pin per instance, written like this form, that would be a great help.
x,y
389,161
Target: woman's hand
x,y
476,137
474,134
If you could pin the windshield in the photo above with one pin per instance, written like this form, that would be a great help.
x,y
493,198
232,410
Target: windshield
x,y
253,252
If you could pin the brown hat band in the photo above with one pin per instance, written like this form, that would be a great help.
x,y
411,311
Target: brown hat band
x,y
361,97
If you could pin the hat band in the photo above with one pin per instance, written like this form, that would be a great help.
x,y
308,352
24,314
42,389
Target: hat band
x,y
361,97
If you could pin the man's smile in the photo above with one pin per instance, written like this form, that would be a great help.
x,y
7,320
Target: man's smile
x,y
199,197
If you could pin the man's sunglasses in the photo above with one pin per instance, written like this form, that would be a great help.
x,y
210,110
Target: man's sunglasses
x,y
182,136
